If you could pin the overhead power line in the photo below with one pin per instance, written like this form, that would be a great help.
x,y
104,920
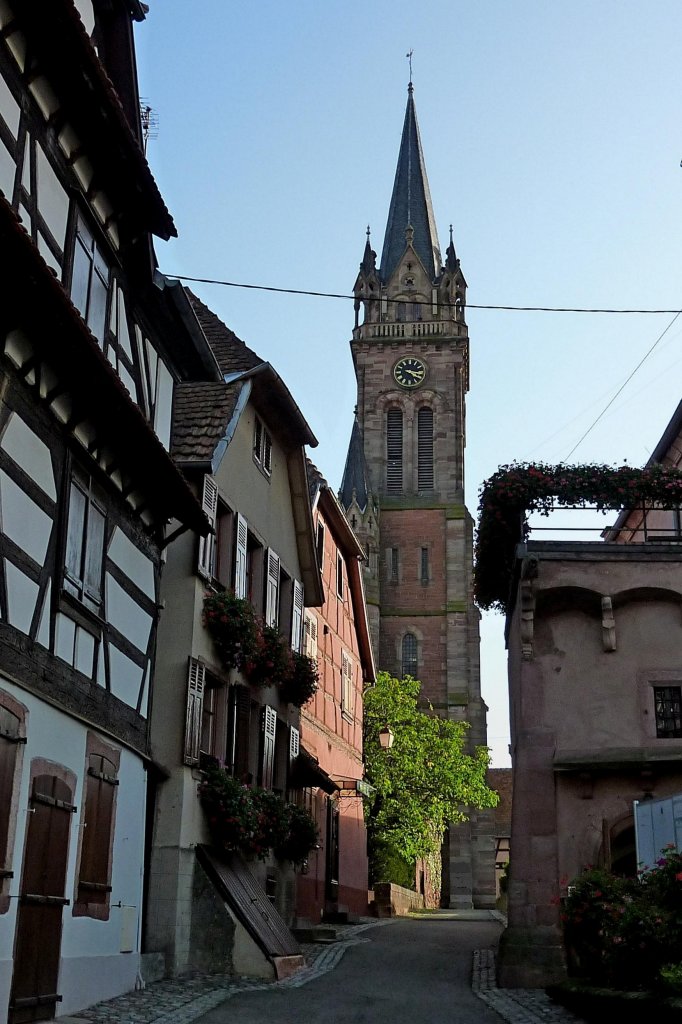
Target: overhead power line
x,y
469,305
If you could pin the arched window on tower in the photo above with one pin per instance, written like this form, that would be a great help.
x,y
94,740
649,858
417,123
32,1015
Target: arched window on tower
x,y
409,656
400,311
394,451
425,449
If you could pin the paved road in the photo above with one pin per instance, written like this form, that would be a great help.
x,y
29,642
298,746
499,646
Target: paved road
x,y
411,972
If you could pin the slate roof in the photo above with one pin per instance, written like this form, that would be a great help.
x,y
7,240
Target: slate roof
x,y
410,204
232,354
201,413
355,472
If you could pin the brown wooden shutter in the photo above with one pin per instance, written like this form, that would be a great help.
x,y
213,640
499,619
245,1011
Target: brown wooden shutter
x,y
425,449
209,504
269,734
98,820
240,558
195,699
9,741
241,704
394,451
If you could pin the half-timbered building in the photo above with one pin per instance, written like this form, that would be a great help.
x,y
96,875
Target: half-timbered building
x,y
91,346
240,443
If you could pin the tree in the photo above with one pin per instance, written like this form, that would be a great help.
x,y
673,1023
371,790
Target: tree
x,y
423,782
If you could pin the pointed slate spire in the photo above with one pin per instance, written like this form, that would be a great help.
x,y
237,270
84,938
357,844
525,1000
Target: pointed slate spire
x,y
410,203
369,258
450,254
354,485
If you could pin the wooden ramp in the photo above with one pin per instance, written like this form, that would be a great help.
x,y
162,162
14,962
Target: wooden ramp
x,y
249,903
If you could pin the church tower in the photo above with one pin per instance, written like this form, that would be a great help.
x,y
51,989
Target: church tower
x,y
403,485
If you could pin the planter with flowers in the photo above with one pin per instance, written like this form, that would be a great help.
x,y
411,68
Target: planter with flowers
x,y
300,685
234,627
255,821
270,659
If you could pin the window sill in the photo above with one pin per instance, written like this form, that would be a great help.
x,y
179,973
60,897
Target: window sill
x,y
81,614
347,716
262,470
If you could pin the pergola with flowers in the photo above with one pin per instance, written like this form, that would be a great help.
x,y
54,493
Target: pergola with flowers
x,y
510,494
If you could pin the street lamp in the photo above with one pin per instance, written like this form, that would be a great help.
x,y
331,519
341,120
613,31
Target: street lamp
x,y
386,737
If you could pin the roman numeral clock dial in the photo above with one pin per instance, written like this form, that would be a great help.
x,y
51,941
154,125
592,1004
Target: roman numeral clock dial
x,y
409,372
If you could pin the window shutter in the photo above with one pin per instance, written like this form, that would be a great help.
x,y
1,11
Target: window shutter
x,y
269,733
267,452
195,702
272,590
240,558
98,817
297,616
425,449
294,742
258,439
242,731
347,683
209,505
394,451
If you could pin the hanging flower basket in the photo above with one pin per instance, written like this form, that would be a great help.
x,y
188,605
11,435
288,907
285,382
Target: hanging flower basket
x,y
231,814
303,836
271,657
233,625
301,684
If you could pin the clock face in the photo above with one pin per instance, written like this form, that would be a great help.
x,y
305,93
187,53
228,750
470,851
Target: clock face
x,y
409,372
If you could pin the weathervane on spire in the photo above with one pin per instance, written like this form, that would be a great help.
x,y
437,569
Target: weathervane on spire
x,y
409,57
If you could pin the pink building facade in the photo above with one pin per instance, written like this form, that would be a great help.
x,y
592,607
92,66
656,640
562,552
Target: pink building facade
x,y
334,881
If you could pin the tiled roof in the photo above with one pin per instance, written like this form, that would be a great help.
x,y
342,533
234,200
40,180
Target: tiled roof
x,y
500,779
201,413
315,479
410,204
230,351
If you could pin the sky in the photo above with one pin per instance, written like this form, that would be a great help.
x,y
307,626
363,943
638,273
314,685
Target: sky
x,y
552,137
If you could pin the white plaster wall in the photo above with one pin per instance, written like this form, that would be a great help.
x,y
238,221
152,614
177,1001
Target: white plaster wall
x,y
132,562
92,966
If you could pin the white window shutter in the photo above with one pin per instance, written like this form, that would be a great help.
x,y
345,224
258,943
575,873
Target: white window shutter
x,y
272,590
195,706
297,616
269,734
209,504
294,742
310,635
240,558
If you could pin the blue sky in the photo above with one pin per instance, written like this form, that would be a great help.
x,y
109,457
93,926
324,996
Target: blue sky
x,y
553,138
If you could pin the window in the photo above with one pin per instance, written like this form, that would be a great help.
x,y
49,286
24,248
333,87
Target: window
x,y
424,565
425,449
339,575
394,451
409,655
262,447
347,702
85,537
98,812
89,280
394,565
668,708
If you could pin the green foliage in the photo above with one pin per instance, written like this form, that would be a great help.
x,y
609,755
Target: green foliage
x,y
387,865
625,931
255,821
513,491
422,783
234,627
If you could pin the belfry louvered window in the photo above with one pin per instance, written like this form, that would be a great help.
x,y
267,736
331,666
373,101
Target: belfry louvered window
x,y
394,451
409,655
425,449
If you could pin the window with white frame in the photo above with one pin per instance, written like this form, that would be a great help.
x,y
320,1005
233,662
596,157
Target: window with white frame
x,y
262,447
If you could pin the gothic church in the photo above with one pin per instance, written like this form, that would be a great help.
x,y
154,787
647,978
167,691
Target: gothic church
x,y
403,484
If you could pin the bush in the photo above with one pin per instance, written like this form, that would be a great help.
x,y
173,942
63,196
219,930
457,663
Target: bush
x,y
624,931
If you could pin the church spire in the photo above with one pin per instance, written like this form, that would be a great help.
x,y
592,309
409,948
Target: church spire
x,y
411,203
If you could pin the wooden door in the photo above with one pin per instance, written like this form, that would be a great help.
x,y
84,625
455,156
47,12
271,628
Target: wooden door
x,y
41,902
332,851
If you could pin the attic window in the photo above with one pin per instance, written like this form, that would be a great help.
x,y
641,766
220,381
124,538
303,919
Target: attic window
x,y
262,447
